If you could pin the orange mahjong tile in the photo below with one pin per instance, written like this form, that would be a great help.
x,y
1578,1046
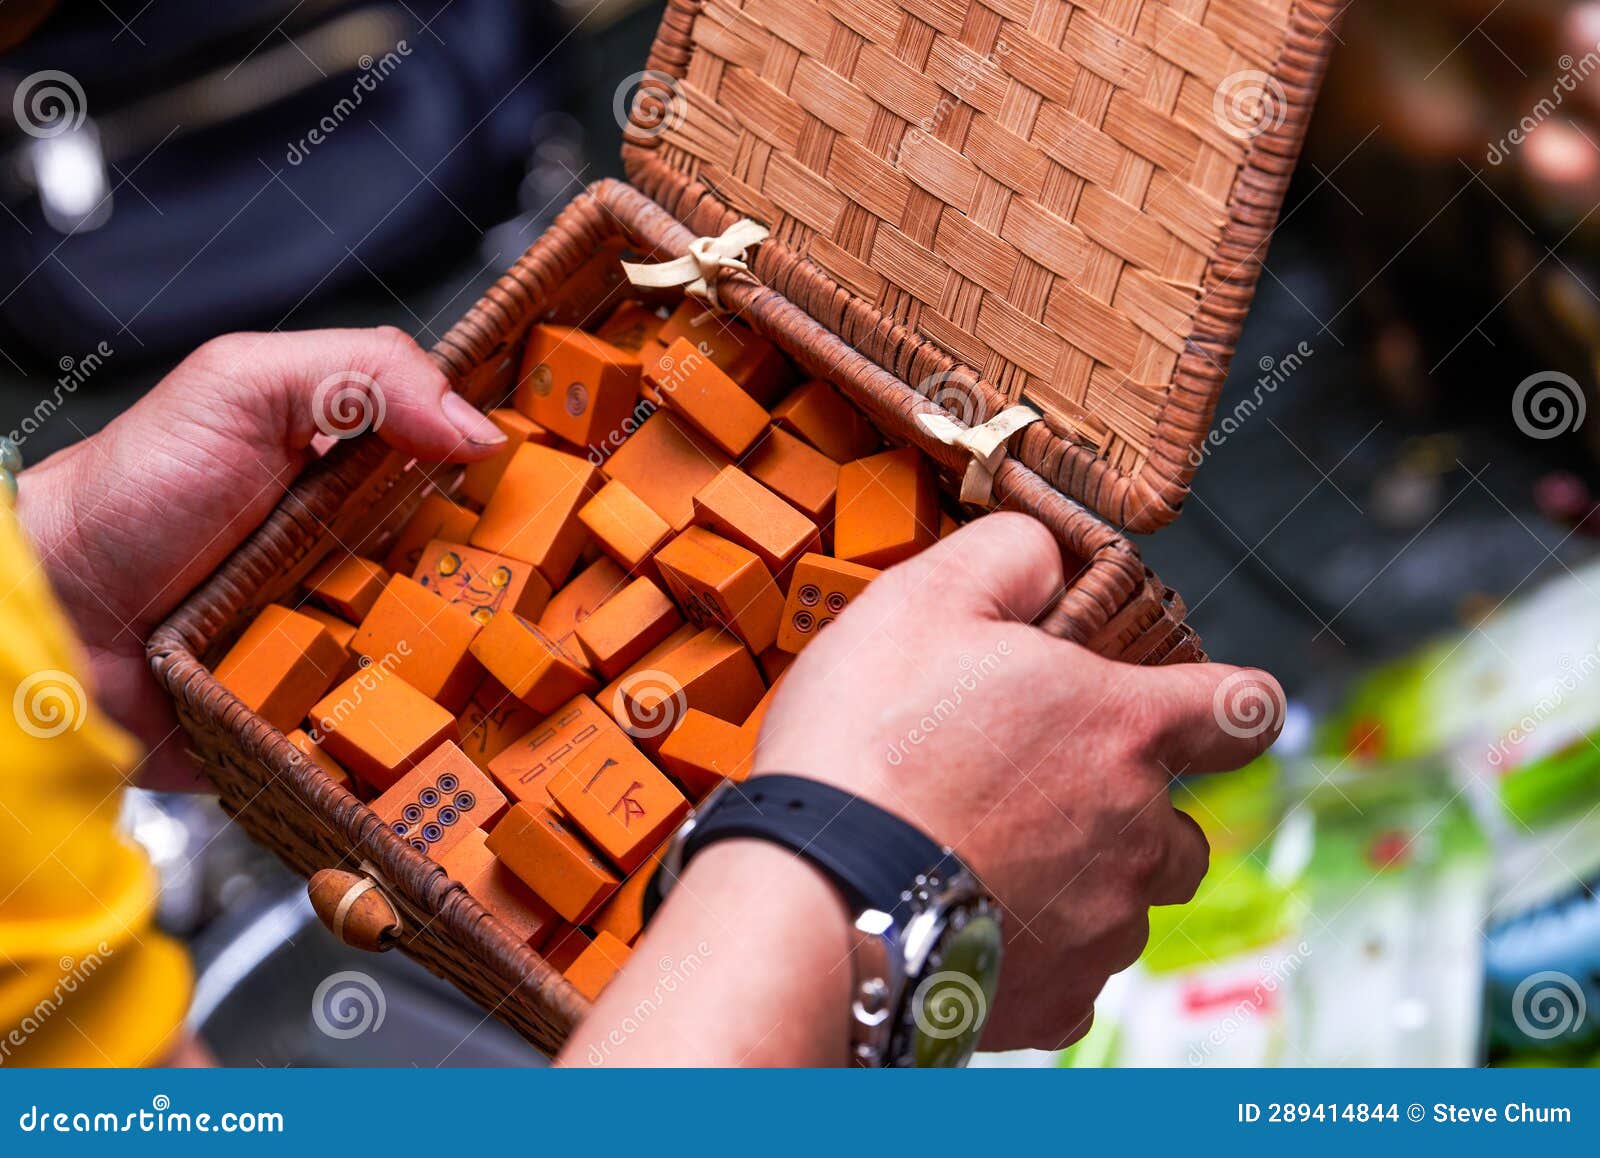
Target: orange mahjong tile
x,y
481,583
480,478
775,661
342,630
579,599
533,513
597,965
718,581
664,462
758,366
492,720
308,747
623,914
947,525
711,671
607,697
435,805
630,326
576,385
818,594
743,511
497,888
378,726
819,414
626,626
618,799
709,400
282,663
549,856
801,475
624,525
888,509
563,947
424,639
526,766
533,666
436,518
702,751
347,585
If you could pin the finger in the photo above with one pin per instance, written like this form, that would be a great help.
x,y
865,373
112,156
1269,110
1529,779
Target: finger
x,y
1188,857
1002,566
1209,717
346,382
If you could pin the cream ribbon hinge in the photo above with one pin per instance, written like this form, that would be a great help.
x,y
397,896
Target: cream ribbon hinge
x,y
985,443
709,260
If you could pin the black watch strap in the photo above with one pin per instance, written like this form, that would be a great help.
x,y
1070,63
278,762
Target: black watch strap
x,y
872,856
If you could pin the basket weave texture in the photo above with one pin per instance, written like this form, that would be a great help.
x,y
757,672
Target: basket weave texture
x,y
1063,204
358,495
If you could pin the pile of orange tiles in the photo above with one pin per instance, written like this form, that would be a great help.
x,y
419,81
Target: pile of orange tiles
x,y
553,661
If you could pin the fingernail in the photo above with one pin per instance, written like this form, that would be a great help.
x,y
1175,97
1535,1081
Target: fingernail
x,y
474,426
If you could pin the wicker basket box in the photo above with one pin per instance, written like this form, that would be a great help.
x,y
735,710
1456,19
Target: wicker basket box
x,y
751,110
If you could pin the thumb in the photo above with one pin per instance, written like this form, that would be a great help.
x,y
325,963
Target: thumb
x,y
1210,717
342,383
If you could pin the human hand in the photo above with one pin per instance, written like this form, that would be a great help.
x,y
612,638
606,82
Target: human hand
x,y
1044,766
130,520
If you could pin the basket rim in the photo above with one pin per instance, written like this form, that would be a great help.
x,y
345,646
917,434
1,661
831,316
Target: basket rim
x,y
277,548
1137,502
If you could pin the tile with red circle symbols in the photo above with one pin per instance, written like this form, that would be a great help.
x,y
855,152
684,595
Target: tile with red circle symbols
x,y
438,803
818,594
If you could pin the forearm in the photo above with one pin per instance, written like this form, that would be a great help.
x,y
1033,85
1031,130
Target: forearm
x,y
747,964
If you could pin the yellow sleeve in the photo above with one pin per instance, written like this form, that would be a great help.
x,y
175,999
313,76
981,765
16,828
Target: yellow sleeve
x,y
85,978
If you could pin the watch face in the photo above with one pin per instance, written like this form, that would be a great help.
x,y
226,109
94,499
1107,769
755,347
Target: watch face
x,y
951,1002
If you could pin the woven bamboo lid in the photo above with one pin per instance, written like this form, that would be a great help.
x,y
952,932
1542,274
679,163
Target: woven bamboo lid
x,y
1062,204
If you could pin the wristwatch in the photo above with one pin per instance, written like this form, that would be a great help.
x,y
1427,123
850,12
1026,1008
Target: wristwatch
x,y
926,942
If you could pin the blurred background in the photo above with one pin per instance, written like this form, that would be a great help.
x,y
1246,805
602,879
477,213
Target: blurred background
x,y
1397,515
